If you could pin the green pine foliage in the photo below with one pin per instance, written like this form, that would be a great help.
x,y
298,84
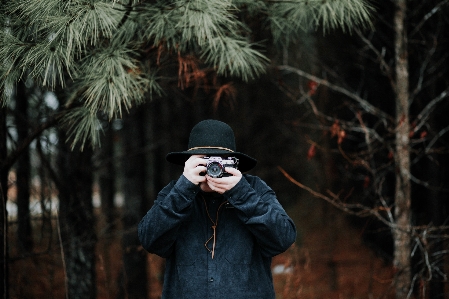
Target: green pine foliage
x,y
97,50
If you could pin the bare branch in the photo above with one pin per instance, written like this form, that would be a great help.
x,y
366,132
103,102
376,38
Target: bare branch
x,y
381,58
352,209
426,184
365,211
435,139
425,113
423,67
365,105
428,16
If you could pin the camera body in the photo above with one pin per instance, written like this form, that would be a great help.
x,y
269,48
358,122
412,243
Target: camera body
x,y
215,166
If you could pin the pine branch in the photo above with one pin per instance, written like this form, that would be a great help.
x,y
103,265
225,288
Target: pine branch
x,y
288,17
235,58
99,48
111,81
82,126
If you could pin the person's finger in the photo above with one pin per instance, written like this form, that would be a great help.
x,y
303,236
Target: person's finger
x,y
194,168
233,171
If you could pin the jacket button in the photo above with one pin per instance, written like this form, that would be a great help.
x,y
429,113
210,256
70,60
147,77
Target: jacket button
x,y
211,279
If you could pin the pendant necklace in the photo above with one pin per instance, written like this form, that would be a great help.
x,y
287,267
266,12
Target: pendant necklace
x,y
214,226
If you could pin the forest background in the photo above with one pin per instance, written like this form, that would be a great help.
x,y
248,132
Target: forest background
x,y
343,103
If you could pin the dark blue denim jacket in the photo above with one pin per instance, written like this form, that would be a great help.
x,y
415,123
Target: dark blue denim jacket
x,y
252,228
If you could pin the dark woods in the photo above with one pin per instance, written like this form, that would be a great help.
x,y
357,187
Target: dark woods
x,y
356,98
326,113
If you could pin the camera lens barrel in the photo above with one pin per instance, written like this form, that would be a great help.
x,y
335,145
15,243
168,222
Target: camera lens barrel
x,y
215,169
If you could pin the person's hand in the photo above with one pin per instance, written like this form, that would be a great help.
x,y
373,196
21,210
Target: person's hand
x,y
193,167
223,184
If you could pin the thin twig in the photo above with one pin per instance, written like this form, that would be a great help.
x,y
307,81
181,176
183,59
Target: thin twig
x,y
365,105
380,56
422,117
353,209
428,16
66,280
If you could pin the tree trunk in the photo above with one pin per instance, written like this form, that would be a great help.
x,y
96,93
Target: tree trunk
x,y
106,179
402,210
24,233
4,213
76,220
134,277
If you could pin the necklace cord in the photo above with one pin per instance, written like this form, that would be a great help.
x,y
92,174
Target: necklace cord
x,y
214,226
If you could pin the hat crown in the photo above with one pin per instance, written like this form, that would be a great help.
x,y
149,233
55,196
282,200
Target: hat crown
x,y
212,138
212,134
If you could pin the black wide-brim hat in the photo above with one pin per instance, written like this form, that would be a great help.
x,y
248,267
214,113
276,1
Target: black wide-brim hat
x,y
212,137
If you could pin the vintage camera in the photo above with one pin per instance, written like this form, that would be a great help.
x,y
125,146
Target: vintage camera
x,y
215,166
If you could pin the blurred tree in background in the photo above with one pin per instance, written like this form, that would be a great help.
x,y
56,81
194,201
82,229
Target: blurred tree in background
x,y
387,121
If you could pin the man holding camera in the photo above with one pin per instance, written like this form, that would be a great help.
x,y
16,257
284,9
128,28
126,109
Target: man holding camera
x,y
217,228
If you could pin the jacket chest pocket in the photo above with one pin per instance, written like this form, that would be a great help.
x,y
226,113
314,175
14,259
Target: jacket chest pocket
x,y
239,246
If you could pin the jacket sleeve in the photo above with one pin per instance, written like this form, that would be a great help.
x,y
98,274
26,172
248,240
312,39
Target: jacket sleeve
x,y
159,227
263,215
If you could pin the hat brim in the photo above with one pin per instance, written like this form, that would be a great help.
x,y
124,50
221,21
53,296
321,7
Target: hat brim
x,y
246,162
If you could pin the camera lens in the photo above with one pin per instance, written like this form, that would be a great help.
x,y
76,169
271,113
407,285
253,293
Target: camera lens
x,y
214,169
